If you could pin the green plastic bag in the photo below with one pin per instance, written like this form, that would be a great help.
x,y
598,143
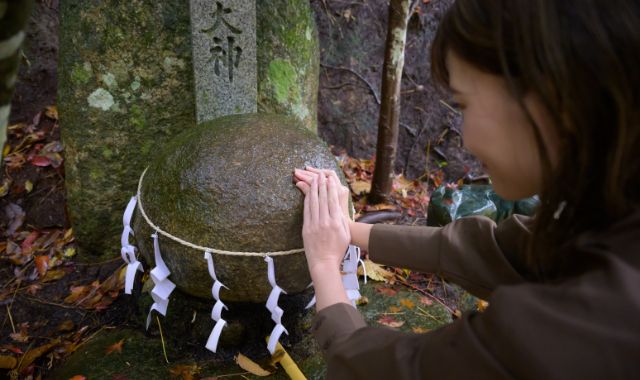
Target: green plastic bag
x,y
449,203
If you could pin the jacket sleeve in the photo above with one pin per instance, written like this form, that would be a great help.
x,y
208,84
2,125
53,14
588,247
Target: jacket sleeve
x,y
473,252
529,331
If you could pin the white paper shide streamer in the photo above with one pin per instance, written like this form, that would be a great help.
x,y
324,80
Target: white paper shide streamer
x,y
272,306
216,312
349,275
163,286
128,251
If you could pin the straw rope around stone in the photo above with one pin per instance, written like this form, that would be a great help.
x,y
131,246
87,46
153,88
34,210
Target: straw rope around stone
x,y
199,247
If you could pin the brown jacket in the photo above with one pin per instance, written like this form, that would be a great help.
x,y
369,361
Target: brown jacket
x,y
585,327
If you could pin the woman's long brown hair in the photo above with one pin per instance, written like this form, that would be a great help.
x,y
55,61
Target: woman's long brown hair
x,y
582,59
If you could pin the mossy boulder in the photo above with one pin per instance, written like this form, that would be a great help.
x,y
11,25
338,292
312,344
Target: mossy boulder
x,y
227,184
126,88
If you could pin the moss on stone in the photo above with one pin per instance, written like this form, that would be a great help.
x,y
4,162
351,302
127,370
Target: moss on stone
x,y
80,75
287,36
107,153
282,77
136,117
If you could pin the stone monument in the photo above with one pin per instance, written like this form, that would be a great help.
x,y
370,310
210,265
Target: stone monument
x,y
127,88
224,58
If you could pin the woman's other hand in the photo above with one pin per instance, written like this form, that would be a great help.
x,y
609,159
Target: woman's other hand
x,y
303,182
325,230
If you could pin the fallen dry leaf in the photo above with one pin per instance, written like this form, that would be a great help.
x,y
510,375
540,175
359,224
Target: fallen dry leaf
x,y
78,377
380,207
482,305
54,275
21,336
420,330
69,252
425,301
27,243
394,309
16,215
51,112
67,325
386,291
359,187
68,236
4,187
42,264
407,303
363,300
76,293
41,161
33,289
376,272
116,347
250,366
8,362
31,355
186,371
388,320
14,349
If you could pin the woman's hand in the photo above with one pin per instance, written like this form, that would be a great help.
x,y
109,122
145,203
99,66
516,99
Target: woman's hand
x,y
359,232
325,230
326,237
303,182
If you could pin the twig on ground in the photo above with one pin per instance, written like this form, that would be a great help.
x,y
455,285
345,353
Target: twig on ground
x,y
232,374
17,275
164,349
438,300
91,336
13,326
101,262
50,303
411,131
427,314
455,111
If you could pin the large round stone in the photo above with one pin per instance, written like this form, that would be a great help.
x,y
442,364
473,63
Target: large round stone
x,y
227,184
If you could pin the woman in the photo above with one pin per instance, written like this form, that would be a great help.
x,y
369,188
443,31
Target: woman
x,y
549,92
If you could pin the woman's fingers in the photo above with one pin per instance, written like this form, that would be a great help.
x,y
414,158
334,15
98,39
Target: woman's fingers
x,y
307,216
312,169
334,201
326,172
323,205
313,201
303,186
308,174
302,174
343,193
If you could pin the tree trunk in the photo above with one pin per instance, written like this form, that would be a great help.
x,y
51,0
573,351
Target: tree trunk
x,y
13,21
399,12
